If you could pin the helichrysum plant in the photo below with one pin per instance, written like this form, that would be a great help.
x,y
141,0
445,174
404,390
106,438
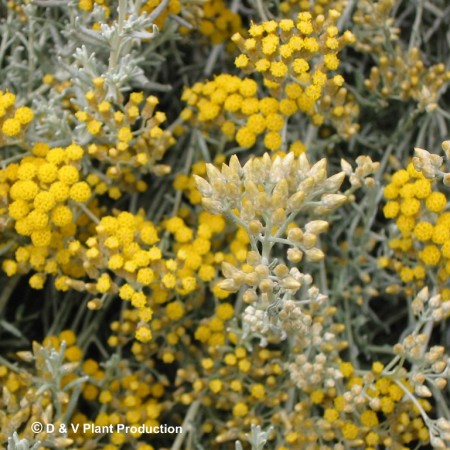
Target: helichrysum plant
x,y
224,220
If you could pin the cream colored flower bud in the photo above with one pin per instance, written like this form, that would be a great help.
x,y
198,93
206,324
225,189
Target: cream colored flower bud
x,y
355,181
255,227
278,216
346,167
290,283
319,170
314,255
375,404
443,424
422,339
296,201
306,185
262,270
317,226
248,212
435,301
213,173
333,200
437,443
446,148
440,383
309,240
334,182
418,378
303,164
263,201
289,305
281,270
251,190
417,306
25,356
423,294
276,171
438,351
294,255
295,235
213,206
313,291
438,315
235,165
227,285
250,296
349,409
251,279
266,285
348,397
281,189
229,270
439,366
253,258
399,349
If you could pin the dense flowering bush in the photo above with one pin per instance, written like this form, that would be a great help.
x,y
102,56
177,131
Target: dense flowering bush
x,y
224,224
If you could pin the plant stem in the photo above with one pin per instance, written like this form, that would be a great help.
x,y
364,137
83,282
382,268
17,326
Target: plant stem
x,y
191,413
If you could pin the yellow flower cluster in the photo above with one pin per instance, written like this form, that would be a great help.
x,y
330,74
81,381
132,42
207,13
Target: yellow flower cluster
x,y
418,208
125,246
130,397
228,100
13,121
286,49
218,23
233,105
295,59
114,394
43,192
140,148
372,411
236,380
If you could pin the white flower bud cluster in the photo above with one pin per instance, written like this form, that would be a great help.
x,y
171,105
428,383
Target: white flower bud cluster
x,y
439,433
365,167
266,191
427,163
430,308
431,165
271,282
256,320
312,375
264,196
432,366
292,318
